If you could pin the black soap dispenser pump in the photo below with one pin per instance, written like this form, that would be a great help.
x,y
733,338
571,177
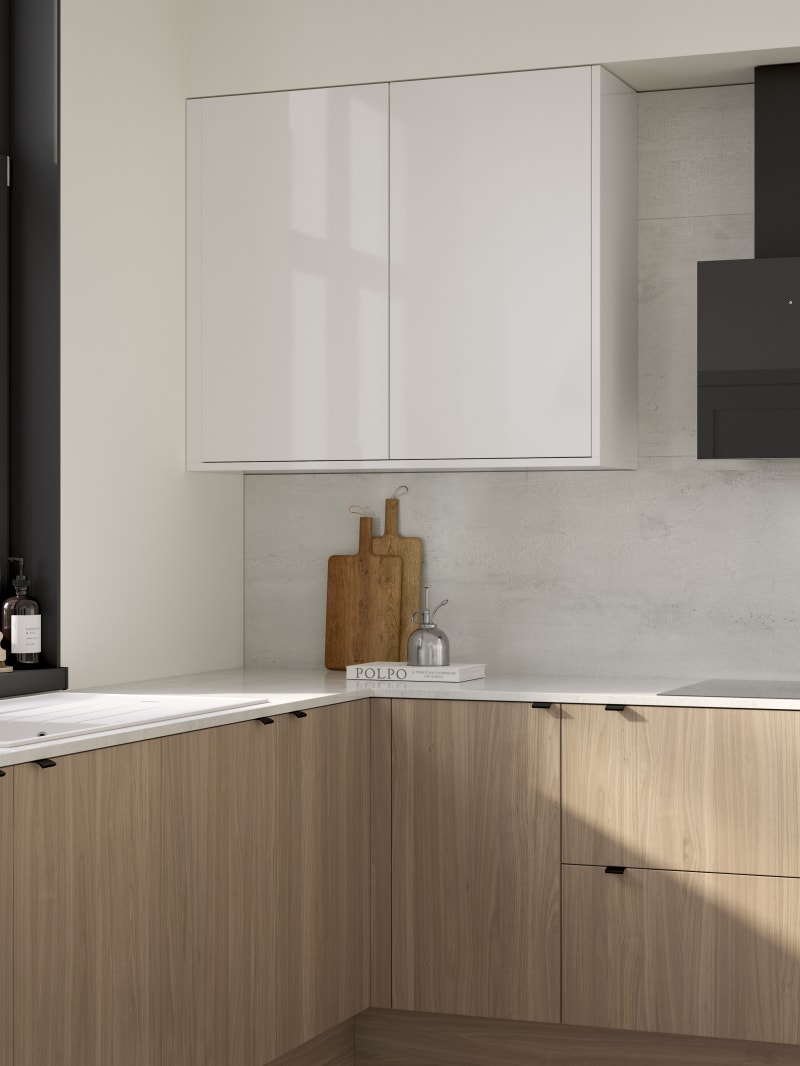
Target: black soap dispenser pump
x,y
22,620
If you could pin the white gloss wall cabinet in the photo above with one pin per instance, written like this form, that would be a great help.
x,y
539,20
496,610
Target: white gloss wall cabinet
x,y
447,281
491,224
287,276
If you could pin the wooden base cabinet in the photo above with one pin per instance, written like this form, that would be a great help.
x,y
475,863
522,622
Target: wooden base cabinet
x,y
87,901
266,926
6,915
220,895
323,870
677,952
198,900
475,881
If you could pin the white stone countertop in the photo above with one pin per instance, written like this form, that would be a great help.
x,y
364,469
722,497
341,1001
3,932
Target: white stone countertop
x,y
242,694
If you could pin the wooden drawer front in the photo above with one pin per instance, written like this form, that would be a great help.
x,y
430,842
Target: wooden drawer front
x,y
702,954
682,788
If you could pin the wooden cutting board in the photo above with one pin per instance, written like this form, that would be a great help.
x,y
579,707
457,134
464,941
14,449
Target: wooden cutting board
x,y
363,612
409,549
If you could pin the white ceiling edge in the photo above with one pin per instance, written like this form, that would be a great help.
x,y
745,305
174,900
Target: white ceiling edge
x,y
690,72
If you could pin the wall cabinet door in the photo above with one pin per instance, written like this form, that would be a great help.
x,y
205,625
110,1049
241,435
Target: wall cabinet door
x,y
220,898
87,901
6,915
675,952
684,788
287,276
475,863
491,224
513,270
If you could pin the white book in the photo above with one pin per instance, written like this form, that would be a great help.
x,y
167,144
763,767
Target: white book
x,y
403,672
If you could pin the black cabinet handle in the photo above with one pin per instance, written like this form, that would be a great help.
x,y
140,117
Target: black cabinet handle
x,y
299,714
2,773
615,706
265,721
615,869
544,706
44,763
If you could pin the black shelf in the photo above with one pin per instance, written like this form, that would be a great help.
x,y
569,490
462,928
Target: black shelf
x,y
27,682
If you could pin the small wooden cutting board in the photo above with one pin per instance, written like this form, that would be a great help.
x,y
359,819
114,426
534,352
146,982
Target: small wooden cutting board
x,y
363,610
409,549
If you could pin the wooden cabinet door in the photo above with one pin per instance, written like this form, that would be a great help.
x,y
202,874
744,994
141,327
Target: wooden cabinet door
x,y
87,899
220,909
287,276
475,865
684,788
491,222
6,916
673,952
323,869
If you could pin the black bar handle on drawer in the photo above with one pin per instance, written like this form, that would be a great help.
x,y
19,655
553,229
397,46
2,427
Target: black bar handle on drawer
x,y
299,714
544,706
615,706
2,773
44,763
615,869
266,721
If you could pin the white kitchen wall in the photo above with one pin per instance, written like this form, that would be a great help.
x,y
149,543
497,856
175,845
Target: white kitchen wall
x,y
682,568
151,557
151,563
253,45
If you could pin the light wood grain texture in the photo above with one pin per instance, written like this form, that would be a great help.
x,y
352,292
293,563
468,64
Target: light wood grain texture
x,y
363,605
381,859
684,788
401,1038
333,1048
409,551
475,866
7,916
87,900
323,937
702,954
220,897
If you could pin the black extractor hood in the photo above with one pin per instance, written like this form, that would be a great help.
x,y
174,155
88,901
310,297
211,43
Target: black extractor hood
x,y
748,310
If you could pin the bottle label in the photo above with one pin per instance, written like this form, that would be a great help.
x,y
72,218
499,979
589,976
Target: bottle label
x,y
26,633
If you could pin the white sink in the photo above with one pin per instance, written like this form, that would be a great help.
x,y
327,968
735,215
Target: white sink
x,y
13,732
56,715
